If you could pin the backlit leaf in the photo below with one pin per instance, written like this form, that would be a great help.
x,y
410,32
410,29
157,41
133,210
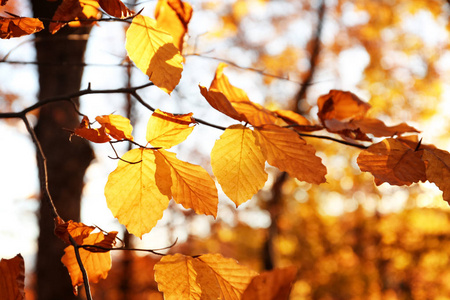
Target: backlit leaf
x,y
192,186
284,149
379,129
115,8
138,193
209,276
166,130
220,102
153,52
116,126
438,169
341,105
12,278
78,231
96,135
17,27
97,265
238,163
273,285
70,10
174,16
393,162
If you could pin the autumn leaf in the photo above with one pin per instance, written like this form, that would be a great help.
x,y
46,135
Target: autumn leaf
x,y
272,285
221,94
78,231
174,16
70,10
97,265
17,27
393,162
209,276
284,149
438,169
138,190
116,126
115,8
379,129
166,130
192,186
153,52
238,163
85,131
12,278
341,106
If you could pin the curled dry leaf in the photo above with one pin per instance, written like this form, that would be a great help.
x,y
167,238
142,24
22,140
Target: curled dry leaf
x,y
12,278
115,8
116,126
152,50
78,231
72,11
17,27
438,169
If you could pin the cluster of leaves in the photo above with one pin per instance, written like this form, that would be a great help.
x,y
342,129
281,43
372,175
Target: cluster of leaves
x,y
149,176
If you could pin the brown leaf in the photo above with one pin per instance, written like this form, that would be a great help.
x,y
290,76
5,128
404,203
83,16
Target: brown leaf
x,y
12,278
115,8
17,27
70,10
438,169
379,129
341,106
273,285
94,135
393,162
78,231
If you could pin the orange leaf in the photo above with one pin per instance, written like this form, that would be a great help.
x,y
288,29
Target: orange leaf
x,y
12,278
115,8
238,163
94,135
78,231
174,16
138,190
221,94
209,276
438,169
273,285
97,265
116,126
393,162
379,129
341,106
70,10
16,27
153,52
166,130
284,149
192,186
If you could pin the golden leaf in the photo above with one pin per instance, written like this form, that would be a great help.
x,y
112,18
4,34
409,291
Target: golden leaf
x,y
138,190
12,278
116,126
153,52
17,27
174,16
96,135
238,164
78,231
192,186
284,149
166,130
70,10
209,276
97,265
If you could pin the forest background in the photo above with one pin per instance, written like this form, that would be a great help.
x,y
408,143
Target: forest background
x,y
348,238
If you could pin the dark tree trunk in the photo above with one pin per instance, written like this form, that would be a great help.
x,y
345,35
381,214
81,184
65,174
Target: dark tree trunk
x,y
59,59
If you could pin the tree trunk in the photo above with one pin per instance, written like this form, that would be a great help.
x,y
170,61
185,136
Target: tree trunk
x,y
59,60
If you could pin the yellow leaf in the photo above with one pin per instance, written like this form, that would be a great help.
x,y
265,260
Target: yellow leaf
x,y
166,130
153,52
209,276
238,163
192,186
284,149
174,16
17,27
12,278
97,264
116,126
138,193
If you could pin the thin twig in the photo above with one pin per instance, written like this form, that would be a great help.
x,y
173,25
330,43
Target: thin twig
x,y
76,248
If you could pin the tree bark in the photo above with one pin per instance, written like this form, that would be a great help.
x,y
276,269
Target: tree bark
x,y
59,58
